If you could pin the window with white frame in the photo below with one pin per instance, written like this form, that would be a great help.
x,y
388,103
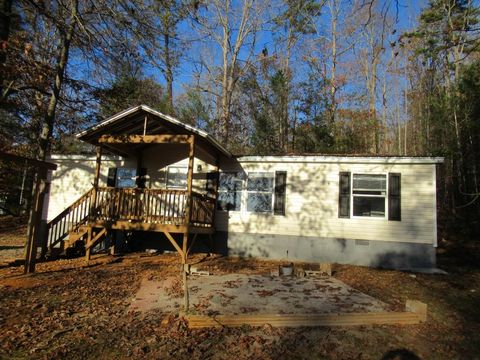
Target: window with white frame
x,y
229,192
369,195
177,177
260,192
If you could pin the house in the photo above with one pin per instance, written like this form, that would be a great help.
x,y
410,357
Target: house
x,y
171,183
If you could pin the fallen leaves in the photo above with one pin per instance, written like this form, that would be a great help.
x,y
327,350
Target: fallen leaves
x,y
67,311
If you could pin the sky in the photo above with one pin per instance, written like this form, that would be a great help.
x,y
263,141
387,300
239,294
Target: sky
x,y
408,12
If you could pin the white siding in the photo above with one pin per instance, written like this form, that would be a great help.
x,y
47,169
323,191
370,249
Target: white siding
x,y
312,204
73,178
311,197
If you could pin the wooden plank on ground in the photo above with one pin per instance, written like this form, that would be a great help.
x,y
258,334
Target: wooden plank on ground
x,y
304,320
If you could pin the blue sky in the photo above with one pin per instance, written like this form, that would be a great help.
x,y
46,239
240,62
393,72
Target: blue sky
x,y
408,11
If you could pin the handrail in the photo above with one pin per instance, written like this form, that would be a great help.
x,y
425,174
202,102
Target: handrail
x,y
69,219
151,206
203,210
141,205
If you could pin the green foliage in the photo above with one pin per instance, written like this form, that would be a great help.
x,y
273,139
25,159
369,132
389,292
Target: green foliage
x,y
129,91
192,109
299,15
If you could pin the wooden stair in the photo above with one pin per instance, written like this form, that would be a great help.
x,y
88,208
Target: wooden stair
x,y
69,232
75,235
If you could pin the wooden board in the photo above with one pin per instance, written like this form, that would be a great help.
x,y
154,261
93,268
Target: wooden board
x,y
145,139
304,320
415,314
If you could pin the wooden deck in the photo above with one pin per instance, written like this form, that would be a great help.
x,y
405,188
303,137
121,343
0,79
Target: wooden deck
x,y
133,209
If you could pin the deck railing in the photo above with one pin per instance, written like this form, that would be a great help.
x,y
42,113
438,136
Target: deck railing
x,y
149,206
203,210
141,205
153,206
72,217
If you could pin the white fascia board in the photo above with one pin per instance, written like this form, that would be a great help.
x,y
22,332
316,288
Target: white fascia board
x,y
341,159
59,157
159,114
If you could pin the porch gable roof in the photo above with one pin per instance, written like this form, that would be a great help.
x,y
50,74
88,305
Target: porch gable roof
x,y
132,121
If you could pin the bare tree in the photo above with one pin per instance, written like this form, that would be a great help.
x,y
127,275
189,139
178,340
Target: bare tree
x,y
232,26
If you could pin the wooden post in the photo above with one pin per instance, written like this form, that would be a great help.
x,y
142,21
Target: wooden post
x,y
215,189
188,211
186,300
185,248
34,225
88,243
96,180
191,157
418,308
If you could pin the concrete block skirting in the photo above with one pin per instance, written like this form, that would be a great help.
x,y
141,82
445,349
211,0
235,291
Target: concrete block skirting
x,y
387,254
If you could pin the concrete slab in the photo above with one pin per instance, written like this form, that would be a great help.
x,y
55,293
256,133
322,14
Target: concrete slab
x,y
250,294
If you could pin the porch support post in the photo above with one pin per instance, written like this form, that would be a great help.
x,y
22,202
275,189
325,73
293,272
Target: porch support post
x,y
191,156
88,244
215,189
34,226
96,179
185,248
188,210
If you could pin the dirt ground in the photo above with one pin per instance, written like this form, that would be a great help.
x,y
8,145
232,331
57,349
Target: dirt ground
x,y
69,310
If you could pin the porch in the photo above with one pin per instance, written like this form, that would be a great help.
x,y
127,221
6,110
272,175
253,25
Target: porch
x,y
149,142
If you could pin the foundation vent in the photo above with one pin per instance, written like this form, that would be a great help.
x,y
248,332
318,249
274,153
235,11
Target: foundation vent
x,y
359,242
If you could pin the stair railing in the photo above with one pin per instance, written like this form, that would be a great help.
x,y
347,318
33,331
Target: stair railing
x,y
69,219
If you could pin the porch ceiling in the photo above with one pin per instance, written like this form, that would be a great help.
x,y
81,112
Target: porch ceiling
x,y
132,122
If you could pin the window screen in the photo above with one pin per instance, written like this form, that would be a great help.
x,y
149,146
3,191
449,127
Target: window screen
x,y
177,177
369,194
260,192
229,192
126,177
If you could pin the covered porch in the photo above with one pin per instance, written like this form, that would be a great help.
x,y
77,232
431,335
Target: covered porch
x,y
151,192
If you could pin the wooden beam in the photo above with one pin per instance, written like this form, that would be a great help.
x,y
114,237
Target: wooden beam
x,y
201,229
191,158
306,320
185,248
98,164
140,226
89,240
34,236
115,150
95,239
145,139
96,179
174,243
31,162
417,307
192,243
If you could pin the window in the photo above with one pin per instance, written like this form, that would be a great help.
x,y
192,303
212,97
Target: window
x,y
369,195
126,177
177,177
260,192
229,192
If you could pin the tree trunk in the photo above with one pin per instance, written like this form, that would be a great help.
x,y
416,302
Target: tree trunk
x,y
5,16
225,82
49,120
168,70
333,87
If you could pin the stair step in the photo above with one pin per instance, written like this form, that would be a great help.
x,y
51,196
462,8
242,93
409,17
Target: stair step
x,y
75,235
